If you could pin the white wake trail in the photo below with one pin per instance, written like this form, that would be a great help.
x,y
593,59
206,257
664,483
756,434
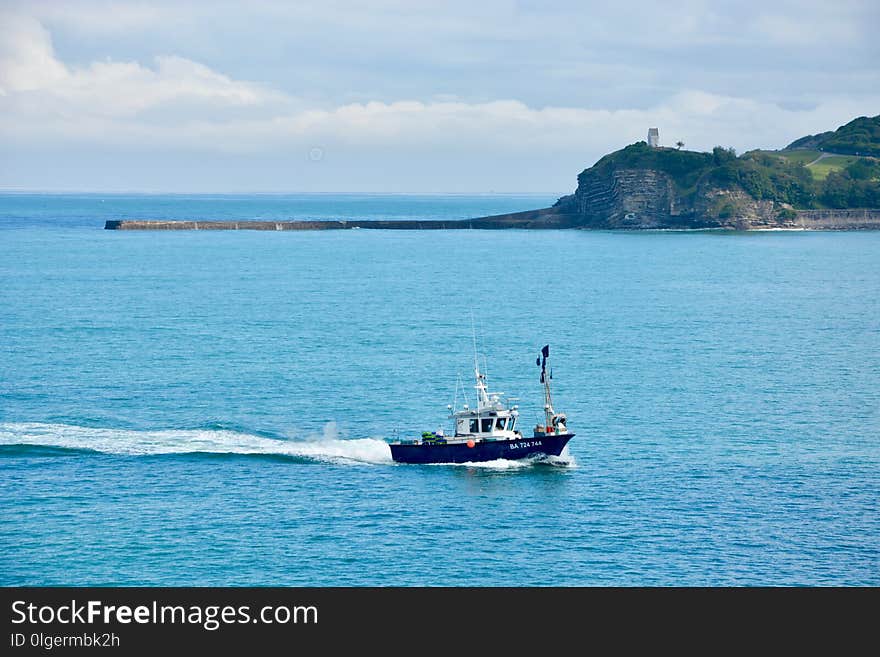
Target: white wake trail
x,y
187,441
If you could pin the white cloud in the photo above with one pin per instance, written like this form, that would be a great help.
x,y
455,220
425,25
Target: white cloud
x,y
126,88
175,104
45,85
26,58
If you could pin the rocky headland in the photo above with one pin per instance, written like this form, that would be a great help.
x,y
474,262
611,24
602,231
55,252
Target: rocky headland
x,y
649,187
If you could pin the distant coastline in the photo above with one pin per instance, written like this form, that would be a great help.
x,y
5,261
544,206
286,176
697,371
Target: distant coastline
x,y
803,220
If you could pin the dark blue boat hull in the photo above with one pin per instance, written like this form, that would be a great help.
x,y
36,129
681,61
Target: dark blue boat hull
x,y
551,445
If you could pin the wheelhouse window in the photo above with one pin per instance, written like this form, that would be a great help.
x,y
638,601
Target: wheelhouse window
x,y
500,422
486,424
475,425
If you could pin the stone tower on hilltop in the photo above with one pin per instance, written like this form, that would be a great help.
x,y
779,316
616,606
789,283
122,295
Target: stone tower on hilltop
x,y
653,137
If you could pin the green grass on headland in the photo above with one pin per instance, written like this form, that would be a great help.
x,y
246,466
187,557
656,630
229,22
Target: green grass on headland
x,y
799,157
819,164
823,167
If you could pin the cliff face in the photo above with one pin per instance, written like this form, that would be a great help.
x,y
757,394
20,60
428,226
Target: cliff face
x,y
734,208
627,198
647,198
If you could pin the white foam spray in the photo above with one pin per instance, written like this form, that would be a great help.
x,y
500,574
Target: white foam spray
x,y
564,460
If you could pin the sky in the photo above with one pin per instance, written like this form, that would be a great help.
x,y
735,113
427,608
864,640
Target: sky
x,y
409,97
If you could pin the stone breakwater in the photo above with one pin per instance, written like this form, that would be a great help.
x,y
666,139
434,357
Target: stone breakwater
x,y
547,218
865,219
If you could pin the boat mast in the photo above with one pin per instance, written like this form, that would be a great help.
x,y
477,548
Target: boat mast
x,y
545,379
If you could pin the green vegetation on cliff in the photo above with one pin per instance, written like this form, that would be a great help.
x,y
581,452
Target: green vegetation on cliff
x,y
762,176
860,136
856,186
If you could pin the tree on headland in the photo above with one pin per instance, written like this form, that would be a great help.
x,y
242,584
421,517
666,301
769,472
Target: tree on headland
x,y
722,155
855,186
679,144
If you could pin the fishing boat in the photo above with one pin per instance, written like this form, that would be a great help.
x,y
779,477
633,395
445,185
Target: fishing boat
x,y
489,431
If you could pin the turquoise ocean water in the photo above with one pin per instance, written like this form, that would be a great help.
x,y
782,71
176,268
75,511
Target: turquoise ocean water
x,y
211,408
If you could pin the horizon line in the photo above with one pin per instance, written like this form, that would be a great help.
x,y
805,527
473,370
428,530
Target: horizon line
x,y
91,192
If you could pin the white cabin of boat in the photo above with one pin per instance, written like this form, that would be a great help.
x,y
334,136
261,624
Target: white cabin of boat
x,y
492,419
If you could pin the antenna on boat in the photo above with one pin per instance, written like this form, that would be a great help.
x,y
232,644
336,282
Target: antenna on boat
x,y
474,337
455,398
476,362
482,392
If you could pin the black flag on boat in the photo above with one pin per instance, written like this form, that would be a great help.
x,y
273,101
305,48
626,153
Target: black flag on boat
x,y
545,352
